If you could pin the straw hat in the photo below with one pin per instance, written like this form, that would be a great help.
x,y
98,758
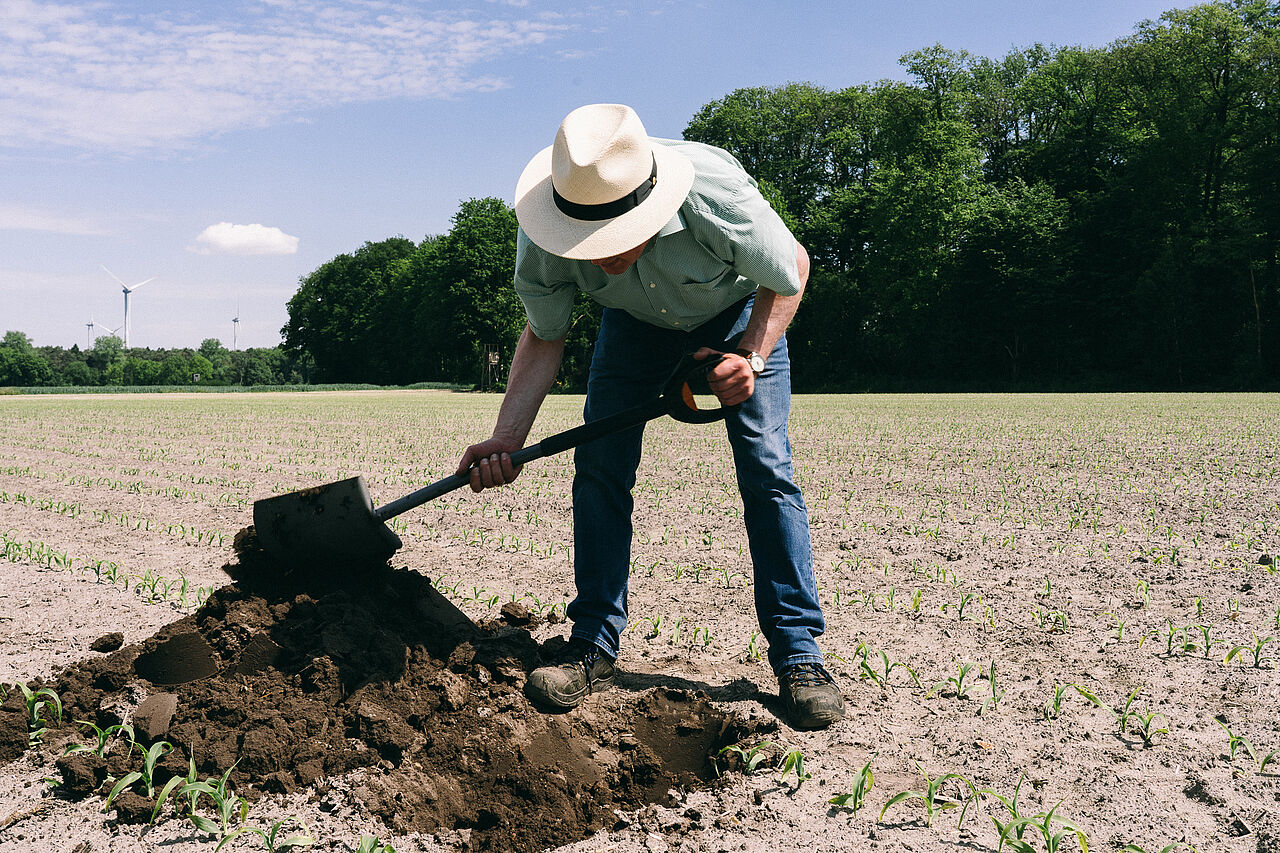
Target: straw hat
x,y
602,188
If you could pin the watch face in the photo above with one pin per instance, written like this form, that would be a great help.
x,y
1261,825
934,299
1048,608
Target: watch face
x,y
757,363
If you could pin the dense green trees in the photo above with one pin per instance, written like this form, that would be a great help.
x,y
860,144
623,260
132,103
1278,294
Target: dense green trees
x,y
1056,218
109,364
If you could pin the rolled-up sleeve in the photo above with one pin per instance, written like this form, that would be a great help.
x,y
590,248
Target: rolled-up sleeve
x,y
548,303
744,229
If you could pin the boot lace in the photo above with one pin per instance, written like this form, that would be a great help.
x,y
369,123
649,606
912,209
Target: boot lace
x,y
807,675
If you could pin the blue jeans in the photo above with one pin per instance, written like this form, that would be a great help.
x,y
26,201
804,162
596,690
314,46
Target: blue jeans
x,y
632,360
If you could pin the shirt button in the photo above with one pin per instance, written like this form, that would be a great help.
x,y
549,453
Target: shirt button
x,y
675,323
653,284
664,310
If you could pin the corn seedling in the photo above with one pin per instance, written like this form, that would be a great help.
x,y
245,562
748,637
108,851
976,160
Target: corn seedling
x,y
184,786
1044,823
1053,708
1120,623
1144,589
1206,642
1144,720
655,626
103,737
1272,756
793,762
36,705
373,844
753,647
965,600
150,757
1011,805
751,757
1168,848
228,804
268,836
957,682
1255,651
1233,609
1175,639
881,676
1235,742
992,701
931,797
862,783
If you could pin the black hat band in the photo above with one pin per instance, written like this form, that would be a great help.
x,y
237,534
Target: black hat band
x,y
610,209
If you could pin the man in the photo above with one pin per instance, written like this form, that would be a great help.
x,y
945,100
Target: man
x,y
675,240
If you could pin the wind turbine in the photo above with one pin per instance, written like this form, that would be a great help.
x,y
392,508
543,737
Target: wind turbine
x,y
127,290
89,334
235,325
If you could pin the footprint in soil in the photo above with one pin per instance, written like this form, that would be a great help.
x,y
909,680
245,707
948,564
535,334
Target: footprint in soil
x,y
300,677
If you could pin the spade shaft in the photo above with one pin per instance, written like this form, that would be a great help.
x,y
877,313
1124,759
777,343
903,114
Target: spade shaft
x,y
337,523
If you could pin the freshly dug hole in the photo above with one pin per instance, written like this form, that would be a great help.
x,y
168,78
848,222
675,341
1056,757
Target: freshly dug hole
x,y
316,674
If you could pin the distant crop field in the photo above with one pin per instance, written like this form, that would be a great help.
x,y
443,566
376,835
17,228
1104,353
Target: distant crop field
x,y
1074,597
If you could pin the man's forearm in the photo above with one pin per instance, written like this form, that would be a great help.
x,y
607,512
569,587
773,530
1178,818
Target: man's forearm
x,y
772,313
533,371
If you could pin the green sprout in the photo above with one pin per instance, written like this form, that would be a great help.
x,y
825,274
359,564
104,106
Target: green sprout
x,y
1120,623
862,783
751,757
372,844
931,797
956,681
1044,823
36,724
992,701
1235,742
103,737
881,676
150,757
1255,651
793,762
268,836
1011,805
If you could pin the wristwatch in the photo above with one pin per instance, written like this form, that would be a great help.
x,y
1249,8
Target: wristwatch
x,y
755,359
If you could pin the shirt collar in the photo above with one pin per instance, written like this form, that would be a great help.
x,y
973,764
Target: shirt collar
x,y
674,225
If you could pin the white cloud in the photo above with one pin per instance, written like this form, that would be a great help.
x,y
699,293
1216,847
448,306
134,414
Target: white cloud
x,y
16,217
102,77
228,239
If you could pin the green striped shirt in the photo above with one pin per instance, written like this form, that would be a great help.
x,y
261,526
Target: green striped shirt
x,y
723,242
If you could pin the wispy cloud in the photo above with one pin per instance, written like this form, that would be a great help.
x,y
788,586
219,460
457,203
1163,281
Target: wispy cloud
x,y
17,217
228,239
104,77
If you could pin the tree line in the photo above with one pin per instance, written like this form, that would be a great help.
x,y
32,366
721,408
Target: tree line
x,y
1057,218
108,363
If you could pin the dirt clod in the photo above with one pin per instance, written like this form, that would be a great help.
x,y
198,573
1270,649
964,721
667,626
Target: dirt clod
x,y
107,642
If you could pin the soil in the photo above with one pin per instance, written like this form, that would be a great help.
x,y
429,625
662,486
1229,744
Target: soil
x,y
291,677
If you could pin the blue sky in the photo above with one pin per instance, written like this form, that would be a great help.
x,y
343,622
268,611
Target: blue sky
x,y
229,148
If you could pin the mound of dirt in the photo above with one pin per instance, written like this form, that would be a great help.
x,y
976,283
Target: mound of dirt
x,y
288,678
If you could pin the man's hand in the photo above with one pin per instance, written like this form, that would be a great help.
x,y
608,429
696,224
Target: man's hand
x,y
490,463
732,380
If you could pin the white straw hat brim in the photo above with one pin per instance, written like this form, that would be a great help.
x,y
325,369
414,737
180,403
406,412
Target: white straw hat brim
x,y
577,239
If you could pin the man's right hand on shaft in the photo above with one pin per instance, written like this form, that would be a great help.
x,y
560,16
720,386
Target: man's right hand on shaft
x,y
490,463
